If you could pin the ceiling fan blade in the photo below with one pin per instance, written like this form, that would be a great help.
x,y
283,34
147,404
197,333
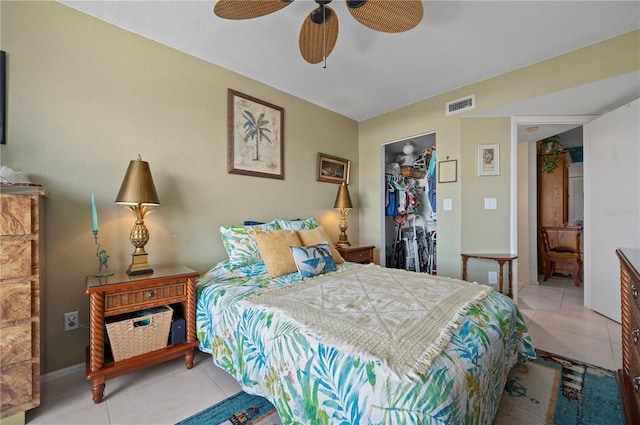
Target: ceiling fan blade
x,y
318,40
387,15
248,9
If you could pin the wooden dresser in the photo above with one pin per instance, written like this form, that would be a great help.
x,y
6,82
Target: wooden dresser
x,y
629,375
20,256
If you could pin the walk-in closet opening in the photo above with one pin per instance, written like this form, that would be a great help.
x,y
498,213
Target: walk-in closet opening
x,y
410,238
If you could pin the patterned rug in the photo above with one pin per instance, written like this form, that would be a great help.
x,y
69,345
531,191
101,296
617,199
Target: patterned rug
x,y
241,408
582,394
552,390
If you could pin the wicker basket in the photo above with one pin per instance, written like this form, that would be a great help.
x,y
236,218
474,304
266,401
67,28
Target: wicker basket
x,y
140,332
413,172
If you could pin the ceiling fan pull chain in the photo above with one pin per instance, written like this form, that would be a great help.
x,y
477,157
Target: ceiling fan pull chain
x,y
324,38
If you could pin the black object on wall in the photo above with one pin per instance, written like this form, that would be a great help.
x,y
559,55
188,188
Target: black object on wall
x,y
3,98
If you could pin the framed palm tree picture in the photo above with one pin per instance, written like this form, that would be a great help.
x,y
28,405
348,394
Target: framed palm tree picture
x,y
255,137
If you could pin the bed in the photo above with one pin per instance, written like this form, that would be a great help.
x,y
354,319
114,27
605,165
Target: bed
x,y
346,343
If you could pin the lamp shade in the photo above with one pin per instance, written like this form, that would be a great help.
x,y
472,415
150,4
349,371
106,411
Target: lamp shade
x,y
343,200
137,187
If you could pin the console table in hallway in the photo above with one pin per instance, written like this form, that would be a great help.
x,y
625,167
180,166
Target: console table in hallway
x,y
500,258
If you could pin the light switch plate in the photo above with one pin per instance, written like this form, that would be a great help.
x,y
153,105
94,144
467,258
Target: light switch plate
x,y
490,203
446,204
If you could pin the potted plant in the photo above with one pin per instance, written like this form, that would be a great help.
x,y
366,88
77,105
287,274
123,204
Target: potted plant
x,y
550,148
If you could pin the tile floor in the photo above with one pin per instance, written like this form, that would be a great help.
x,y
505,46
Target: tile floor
x,y
167,393
559,323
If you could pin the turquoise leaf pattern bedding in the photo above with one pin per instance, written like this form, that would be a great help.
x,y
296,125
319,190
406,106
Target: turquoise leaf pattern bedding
x,y
312,382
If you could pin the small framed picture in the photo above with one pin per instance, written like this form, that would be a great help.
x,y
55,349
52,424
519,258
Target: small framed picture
x,y
489,160
332,169
448,171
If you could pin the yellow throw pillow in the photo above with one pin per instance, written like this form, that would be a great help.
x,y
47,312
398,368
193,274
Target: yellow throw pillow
x,y
274,249
318,235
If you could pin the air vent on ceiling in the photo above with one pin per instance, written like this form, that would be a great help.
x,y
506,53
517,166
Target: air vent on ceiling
x,y
459,105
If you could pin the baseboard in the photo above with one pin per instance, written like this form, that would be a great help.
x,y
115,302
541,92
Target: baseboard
x,y
80,367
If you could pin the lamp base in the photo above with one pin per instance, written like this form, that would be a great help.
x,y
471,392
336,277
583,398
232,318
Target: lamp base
x,y
139,264
343,242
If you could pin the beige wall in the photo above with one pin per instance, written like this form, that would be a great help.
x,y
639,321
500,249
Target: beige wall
x,y
484,230
85,98
456,138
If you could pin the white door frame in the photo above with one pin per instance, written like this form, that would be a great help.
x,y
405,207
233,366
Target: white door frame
x,y
533,258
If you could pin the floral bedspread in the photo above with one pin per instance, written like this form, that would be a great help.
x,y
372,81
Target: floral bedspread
x,y
311,381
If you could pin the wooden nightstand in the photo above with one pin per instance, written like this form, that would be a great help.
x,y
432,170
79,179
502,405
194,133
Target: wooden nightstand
x,y
357,254
121,293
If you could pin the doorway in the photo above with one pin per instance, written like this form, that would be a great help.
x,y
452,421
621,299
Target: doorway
x,y
525,131
560,196
409,202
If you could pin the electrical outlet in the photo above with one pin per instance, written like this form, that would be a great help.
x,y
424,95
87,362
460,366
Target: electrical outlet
x,y
71,321
493,278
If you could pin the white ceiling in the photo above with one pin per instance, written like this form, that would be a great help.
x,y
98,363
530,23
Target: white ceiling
x,y
370,73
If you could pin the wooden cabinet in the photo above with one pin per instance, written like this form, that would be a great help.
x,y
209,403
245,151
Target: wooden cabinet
x,y
357,254
629,375
553,193
20,257
121,293
553,208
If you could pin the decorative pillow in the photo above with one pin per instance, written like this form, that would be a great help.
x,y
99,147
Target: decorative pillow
x,y
240,243
315,236
274,251
309,223
313,260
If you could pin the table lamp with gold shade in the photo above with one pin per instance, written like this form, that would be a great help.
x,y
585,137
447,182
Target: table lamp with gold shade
x,y
139,193
343,203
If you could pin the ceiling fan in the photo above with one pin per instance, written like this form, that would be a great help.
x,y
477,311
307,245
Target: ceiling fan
x,y
319,31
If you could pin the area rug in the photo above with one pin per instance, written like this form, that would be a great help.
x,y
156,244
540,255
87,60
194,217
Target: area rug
x,y
552,390
560,391
241,408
